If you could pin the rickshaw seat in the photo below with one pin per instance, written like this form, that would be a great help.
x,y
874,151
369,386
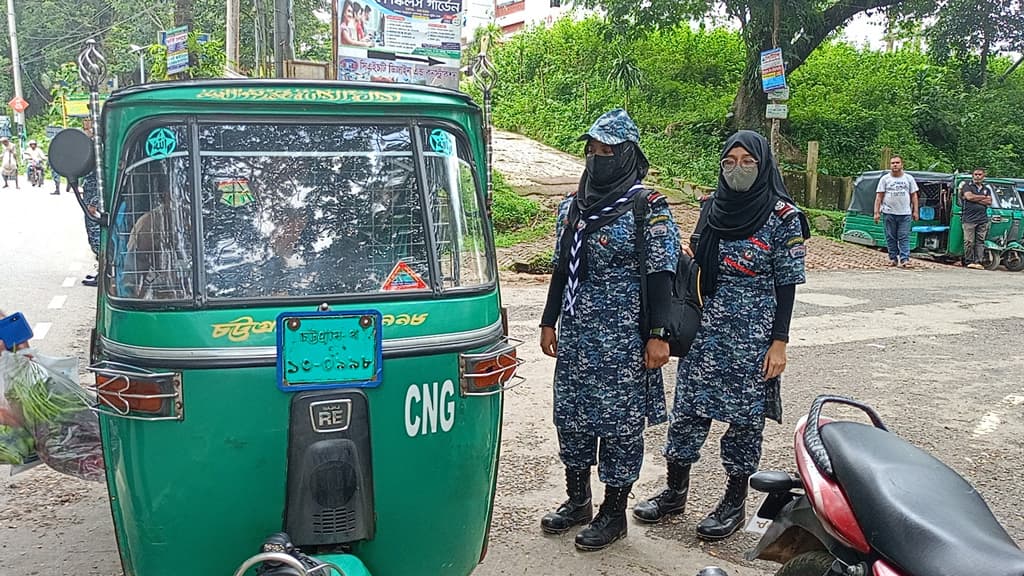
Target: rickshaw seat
x,y
926,213
926,229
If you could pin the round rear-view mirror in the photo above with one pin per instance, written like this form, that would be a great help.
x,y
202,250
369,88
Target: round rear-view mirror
x,y
72,154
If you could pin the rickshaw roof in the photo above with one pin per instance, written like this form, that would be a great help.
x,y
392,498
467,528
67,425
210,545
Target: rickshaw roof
x,y
864,187
278,91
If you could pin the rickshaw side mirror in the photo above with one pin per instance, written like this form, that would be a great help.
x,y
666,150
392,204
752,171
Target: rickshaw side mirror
x,y
73,156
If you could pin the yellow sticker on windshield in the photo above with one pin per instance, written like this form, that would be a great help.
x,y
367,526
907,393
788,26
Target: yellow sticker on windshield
x,y
234,192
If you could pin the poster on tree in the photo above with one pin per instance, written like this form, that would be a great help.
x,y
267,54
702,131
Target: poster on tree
x,y
398,41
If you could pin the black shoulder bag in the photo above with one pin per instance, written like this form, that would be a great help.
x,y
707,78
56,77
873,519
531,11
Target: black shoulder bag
x,y
684,315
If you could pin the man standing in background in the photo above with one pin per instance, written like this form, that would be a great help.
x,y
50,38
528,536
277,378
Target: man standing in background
x,y
896,197
977,197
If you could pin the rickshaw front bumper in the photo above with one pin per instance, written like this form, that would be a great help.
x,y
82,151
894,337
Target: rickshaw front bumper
x,y
330,565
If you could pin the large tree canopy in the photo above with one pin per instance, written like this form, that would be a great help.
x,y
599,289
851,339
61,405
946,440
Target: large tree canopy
x,y
971,31
801,27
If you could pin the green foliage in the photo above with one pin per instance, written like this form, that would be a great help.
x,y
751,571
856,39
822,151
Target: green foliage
x,y
834,220
552,83
509,210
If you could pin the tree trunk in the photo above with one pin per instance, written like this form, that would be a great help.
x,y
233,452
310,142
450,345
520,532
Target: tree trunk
x,y
748,107
184,13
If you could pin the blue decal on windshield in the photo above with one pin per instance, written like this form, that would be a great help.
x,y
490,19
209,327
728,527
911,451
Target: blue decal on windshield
x,y
441,142
161,143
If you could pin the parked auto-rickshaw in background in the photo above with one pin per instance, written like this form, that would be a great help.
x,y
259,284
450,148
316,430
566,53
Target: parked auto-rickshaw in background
x,y
299,328
939,232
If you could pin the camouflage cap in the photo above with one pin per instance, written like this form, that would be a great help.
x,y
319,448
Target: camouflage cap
x,y
613,127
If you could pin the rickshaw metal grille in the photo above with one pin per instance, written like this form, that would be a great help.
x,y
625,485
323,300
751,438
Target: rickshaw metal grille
x,y
334,520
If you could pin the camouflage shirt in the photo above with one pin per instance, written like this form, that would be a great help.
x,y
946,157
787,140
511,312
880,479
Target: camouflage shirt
x,y
601,386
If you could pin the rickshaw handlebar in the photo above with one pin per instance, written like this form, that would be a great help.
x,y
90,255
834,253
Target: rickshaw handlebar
x,y
290,561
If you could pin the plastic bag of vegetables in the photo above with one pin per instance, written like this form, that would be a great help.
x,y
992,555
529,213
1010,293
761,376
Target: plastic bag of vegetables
x,y
45,401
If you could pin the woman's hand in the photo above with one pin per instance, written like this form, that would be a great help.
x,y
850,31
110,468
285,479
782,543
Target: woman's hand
x,y
686,249
549,341
774,360
656,353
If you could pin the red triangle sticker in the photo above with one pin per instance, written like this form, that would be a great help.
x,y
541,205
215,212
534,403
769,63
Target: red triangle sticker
x,y
402,277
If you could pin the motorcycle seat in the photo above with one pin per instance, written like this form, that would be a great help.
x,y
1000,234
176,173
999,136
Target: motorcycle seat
x,y
914,510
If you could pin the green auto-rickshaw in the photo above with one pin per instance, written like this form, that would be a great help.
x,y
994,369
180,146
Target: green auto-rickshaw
x,y
298,328
939,233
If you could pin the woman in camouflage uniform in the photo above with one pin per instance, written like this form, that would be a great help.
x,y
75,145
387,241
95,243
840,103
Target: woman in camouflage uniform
x,y
751,256
607,384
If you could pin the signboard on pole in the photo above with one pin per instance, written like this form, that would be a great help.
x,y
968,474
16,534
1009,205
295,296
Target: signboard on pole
x,y
780,94
176,41
399,41
18,104
776,112
773,70
77,106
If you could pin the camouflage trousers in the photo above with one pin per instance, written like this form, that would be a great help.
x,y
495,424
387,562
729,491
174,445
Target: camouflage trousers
x,y
92,233
619,460
741,445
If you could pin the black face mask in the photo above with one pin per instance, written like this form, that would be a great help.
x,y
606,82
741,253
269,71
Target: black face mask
x,y
603,169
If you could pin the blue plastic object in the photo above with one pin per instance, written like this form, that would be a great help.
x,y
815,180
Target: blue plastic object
x,y
14,330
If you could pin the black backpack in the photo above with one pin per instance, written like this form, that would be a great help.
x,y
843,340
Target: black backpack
x,y
684,315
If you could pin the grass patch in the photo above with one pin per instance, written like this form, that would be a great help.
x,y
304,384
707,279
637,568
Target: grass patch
x,y
826,222
517,219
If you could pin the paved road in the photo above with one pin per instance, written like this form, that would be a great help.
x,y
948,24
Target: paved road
x,y
938,352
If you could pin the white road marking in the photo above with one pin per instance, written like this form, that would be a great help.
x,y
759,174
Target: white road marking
x,y
918,320
40,330
829,300
68,282
991,421
58,302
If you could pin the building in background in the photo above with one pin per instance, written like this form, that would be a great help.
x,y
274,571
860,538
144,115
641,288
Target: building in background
x,y
511,15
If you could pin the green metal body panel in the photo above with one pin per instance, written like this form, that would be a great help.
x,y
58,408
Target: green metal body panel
x,y
198,496
347,562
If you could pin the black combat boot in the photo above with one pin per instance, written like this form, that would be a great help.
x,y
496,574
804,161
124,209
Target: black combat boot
x,y
610,523
577,510
672,500
726,519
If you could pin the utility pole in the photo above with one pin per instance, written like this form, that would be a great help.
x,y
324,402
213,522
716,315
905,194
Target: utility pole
x,y
284,46
231,35
19,117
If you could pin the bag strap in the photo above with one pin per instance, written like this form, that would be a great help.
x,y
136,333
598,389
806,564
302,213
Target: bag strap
x,y
640,207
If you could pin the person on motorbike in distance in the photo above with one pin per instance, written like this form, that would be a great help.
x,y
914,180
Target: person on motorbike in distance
x,y
35,157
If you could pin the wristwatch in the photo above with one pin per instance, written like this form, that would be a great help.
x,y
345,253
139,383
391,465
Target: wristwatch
x,y
659,333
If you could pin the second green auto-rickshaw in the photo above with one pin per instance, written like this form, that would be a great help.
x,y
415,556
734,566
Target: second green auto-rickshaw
x,y
939,232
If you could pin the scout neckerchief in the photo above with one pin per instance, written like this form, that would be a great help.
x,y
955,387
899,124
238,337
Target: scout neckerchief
x,y
577,251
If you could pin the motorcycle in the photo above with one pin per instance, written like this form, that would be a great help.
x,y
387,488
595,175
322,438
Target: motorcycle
x,y
866,502
35,173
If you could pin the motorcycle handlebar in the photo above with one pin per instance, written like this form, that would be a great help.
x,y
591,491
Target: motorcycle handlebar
x,y
812,433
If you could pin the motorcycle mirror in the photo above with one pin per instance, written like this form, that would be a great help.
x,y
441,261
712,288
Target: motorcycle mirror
x,y
712,571
72,154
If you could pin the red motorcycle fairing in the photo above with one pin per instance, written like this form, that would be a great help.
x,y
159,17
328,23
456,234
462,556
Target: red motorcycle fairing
x,y
882,568
827,498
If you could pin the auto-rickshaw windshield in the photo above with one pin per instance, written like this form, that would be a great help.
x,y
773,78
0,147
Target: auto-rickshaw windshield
x,y
296,210
1006,197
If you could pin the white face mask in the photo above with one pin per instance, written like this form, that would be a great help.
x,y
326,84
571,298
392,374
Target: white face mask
x,y
739,178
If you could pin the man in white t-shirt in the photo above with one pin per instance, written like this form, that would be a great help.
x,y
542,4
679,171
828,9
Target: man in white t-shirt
x,y
896,198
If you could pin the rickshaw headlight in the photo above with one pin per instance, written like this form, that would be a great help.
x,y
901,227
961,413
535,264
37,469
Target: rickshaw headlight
x,y
492,371
123,390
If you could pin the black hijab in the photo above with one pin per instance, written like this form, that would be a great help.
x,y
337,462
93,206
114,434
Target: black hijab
x,y
736,215
593,196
